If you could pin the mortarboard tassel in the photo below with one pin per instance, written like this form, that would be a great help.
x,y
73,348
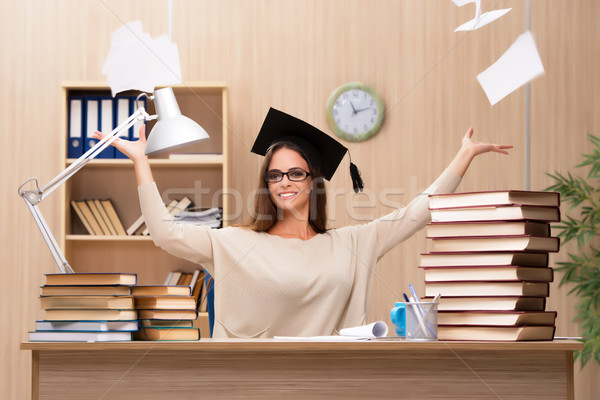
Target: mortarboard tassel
x,y
357,182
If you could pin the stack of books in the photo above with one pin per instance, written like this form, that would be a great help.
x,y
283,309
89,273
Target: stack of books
x,y
87,307
168,312
488,260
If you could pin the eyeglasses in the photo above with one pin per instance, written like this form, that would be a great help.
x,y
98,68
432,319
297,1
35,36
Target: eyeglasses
x,y
295,175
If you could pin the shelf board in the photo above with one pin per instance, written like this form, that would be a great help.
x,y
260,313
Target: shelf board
x,y
200,160
195,86
134,238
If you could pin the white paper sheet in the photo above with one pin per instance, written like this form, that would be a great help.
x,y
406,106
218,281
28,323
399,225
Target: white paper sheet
x,y
480,20
375,330
136,61
518,65
485,19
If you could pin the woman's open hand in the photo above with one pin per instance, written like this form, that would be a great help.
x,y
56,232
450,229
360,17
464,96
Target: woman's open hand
x,y
477,148
470,148
135,150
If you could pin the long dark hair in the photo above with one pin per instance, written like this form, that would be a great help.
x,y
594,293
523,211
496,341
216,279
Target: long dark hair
x,y
265,211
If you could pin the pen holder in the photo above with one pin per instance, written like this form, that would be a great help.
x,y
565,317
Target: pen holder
x,y
415,320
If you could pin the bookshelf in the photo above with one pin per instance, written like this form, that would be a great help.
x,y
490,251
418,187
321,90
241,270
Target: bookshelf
x,y
203,178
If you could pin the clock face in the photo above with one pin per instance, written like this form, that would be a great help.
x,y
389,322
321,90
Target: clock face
x,y
355,111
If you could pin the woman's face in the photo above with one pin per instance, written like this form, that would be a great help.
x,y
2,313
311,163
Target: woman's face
x,y
290,196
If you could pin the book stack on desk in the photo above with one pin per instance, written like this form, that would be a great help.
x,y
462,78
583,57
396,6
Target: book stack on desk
x,y
488,260
87,307
167,312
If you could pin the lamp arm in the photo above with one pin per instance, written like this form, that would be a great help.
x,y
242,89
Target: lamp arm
x,y
35,196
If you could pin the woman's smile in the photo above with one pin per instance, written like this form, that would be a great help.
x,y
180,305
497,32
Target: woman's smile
x,y
287,195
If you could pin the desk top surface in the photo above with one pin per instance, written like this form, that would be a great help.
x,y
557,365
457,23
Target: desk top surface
x,y
266,345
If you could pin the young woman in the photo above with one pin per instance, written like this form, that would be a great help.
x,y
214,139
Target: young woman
x,y
286,274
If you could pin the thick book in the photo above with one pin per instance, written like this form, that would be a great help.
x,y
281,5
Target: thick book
x,y
100,216
490,303
166,323
88,226
168,314
184,279
497,318
99,326
496,243
203,300
113,217
86,290
92,278
496,333
488,273
481,259
194,279
485,228
167,333
90,315
80,336
161,290
473,288
135,226
89,217
165,302
87,302
198,287
496,213
494,197
174,278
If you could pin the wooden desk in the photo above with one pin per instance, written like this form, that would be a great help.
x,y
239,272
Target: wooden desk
x,y
268,369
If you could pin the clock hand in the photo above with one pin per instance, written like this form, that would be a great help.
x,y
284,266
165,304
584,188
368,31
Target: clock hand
x,y
354,112
361,109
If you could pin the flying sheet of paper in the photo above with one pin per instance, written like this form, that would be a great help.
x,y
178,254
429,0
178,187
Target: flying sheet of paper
x,y
136,61
375,330
485,19
480,20
518,65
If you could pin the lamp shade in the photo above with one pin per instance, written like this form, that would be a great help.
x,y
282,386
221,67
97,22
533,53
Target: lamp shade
x,y
172,130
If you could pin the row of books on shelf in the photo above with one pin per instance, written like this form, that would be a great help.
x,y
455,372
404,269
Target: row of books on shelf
x,y
113,307
99,217
88,114
488,260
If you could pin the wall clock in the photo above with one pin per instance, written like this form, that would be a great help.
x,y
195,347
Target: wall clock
x,y
355,111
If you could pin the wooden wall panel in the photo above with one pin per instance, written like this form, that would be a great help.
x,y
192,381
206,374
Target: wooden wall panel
x,y
291,54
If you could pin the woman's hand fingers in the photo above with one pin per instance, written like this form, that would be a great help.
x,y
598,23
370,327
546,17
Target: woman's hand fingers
x,y
481,147
142,133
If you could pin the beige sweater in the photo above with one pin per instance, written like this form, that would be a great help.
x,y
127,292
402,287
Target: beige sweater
x,y
269,286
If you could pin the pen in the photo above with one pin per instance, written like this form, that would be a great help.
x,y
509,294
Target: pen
x,y
419,317
414,292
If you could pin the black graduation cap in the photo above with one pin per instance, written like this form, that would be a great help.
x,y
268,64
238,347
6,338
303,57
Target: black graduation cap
x,y
321,150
